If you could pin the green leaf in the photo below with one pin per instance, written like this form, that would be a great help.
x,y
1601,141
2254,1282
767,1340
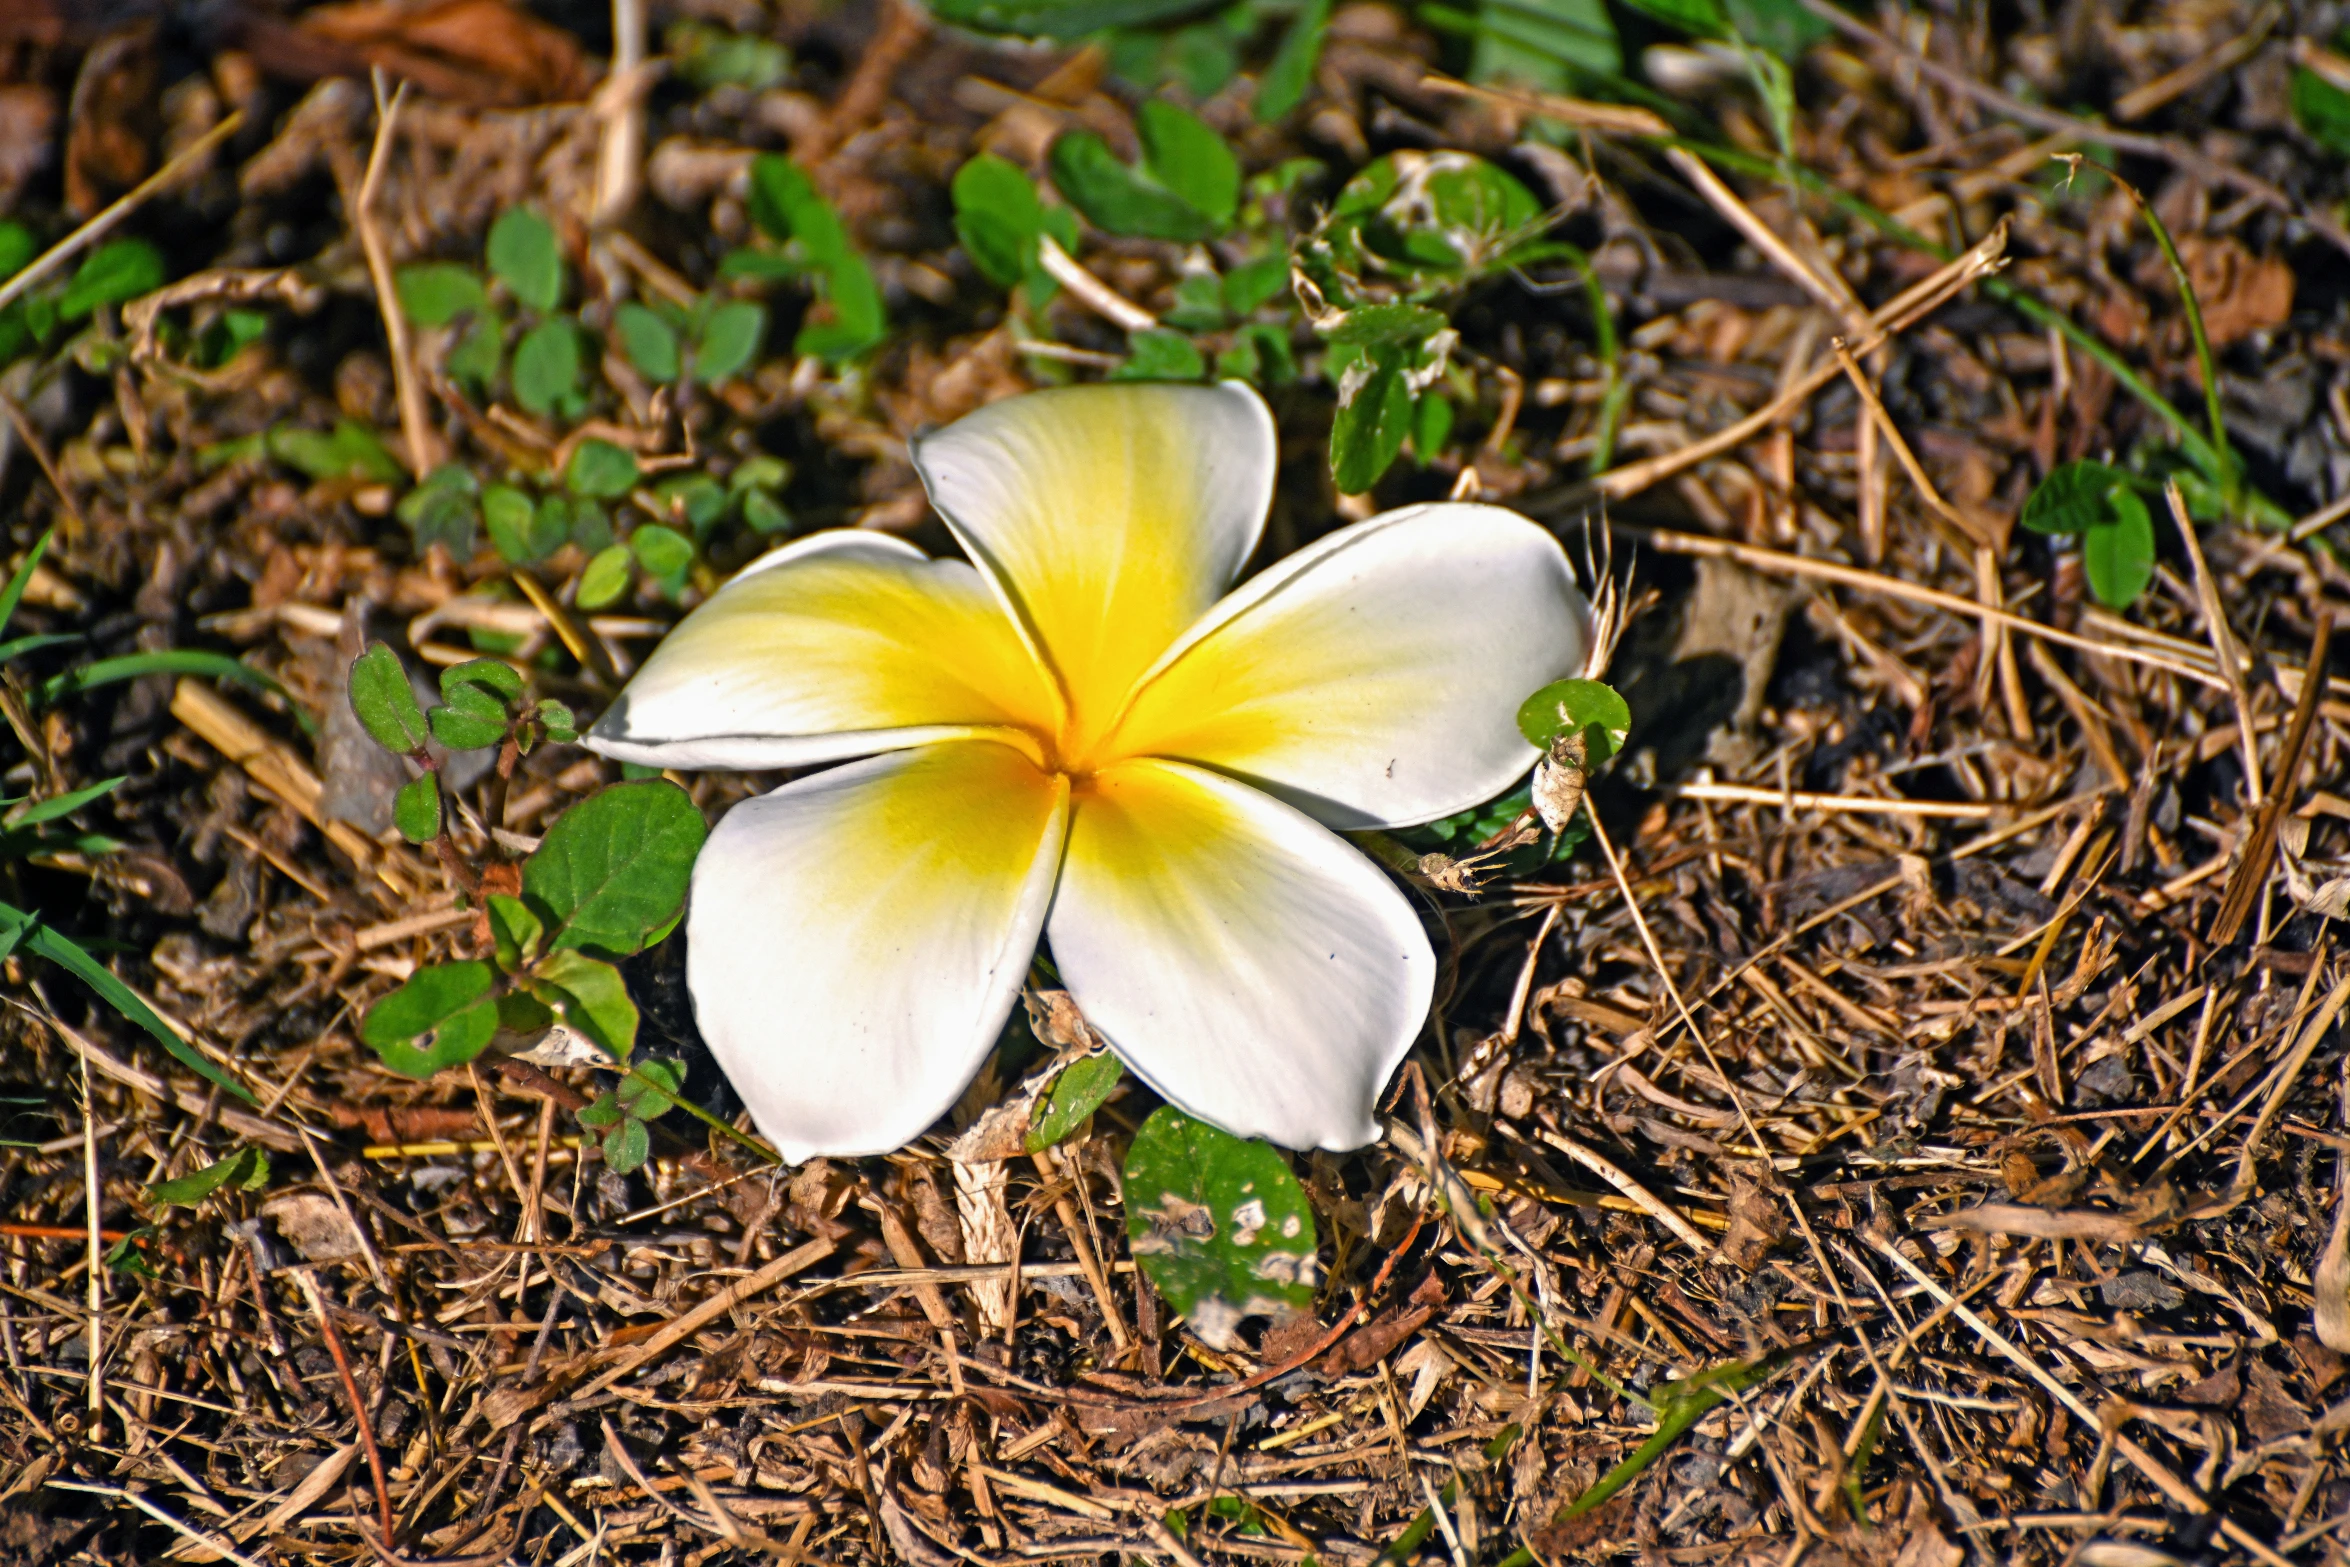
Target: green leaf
x,y
600,469
443,509
2322,110
495,677
858,320
2075,497
665,553
1285,81
17,246
1699,18
479,352
557,721
386,702
788,208
729,340
1080,1090
59,805
460,730
546,366
443,1016
590,994
1566,706
1431,425
32,936
2118,556
606,577
1183,154
416,809
527,258
1220,1224
137,666
1374,415
350,451
515,931
1784,27
1254,284
509,515
997,217
650,1089
1160,355
612,872
520,1012
243,1171
710,56
604,1112
649,342
117,270
1120,199
627,1146
13,593
1378,325
435,293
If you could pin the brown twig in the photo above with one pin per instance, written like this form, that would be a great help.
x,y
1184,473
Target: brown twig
x,y
342,1359
2251,873
416,431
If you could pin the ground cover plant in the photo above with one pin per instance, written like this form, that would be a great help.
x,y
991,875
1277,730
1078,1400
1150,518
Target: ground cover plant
x,y
1883,1100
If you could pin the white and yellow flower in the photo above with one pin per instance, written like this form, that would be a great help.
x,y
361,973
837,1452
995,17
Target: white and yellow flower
x,y
1080,735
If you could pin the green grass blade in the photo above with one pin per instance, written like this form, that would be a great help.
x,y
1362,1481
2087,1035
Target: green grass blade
x,y
10,594
68,955
19,646
62,805
133,666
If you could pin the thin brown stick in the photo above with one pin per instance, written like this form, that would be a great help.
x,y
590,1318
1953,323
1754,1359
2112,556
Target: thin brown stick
x,y
92,1201
2251,872
89,233
2224,649
48,464
1904,310
416,431
1778,561
342,1358
1048,1165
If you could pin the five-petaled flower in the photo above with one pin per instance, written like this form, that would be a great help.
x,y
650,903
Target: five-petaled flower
x,y
1079,734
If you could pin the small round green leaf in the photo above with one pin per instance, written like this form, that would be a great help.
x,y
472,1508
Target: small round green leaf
x,y
1565,706
627,1146
118,270
997,217
1119,199
435,293
1374,415
1220,1224
591,996
613,870
515,931
508,514
665,553
1080,1090
600,469
606,577
1182,153
496,678
460,730
649,342
385,702
1161,355
2118,556
546,366
729,340
416,809
442,1016
527,258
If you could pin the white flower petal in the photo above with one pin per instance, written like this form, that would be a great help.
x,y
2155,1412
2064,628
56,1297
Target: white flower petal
x,y
856,938
841,644
1111,517
1246,962
1373,678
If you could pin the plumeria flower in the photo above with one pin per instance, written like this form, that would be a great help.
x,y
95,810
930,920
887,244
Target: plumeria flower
x,y
1079,734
